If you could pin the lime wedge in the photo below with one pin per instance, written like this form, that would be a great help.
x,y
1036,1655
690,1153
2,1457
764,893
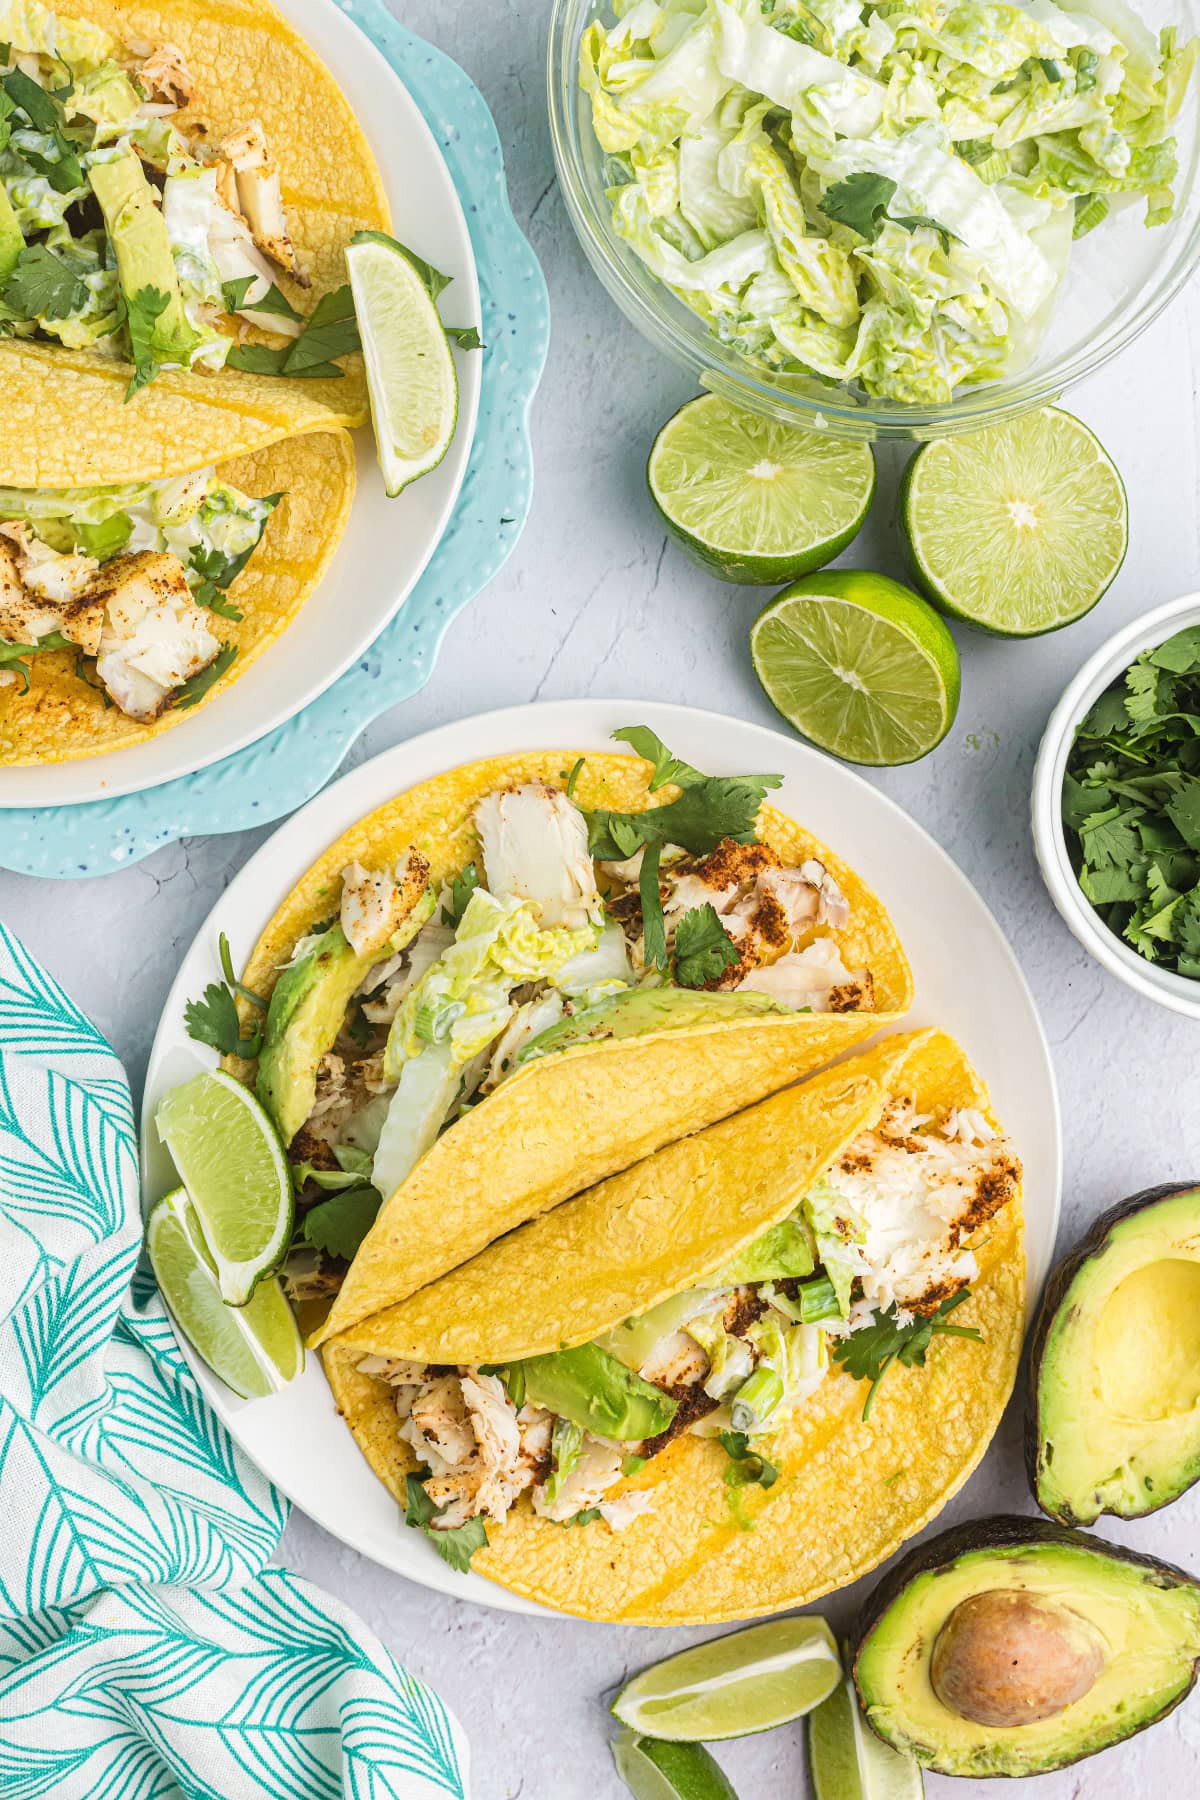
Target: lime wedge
x,y
256,1348
849,1762
232,1164
1018,529
755,501
410,367
733,1686
654,1770
858,664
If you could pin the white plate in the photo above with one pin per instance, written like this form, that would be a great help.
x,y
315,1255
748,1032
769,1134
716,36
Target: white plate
x,y
387,543
967,980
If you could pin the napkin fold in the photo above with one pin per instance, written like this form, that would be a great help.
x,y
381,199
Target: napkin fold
x,y
146,1652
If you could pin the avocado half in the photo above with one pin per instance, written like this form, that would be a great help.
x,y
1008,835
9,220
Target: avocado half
x,y
1113,1417
1074,1643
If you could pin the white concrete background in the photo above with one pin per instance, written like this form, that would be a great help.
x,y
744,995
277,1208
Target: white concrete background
x,y
596,602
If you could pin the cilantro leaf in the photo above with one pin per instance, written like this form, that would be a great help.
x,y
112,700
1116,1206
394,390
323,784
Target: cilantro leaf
x,y
339,1225
650,747
710,809
193,691
41,108
142,313
868,1354
455,1547
273,301
331,330
460,888
12,656
213,1020
465,336
1183,810
748,1467
861,201
42,286
703,947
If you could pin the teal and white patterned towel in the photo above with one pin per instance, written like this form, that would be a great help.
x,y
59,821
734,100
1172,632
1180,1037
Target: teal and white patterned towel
x,y
146,1653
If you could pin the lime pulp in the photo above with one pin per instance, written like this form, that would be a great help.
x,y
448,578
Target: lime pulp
x,y
733,1686
655,1770
847,1760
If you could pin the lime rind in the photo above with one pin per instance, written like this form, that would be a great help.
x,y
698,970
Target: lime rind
x,y
1019,529
735,1686
654,1769
848,1762
255,1349
228,1156
859,665
411,378
753,501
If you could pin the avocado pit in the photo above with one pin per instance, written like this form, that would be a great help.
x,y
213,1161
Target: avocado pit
x,y
1007,1657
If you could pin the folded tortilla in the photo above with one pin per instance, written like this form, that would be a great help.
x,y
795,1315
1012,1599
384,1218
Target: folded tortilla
x,y
565,1121
849,1490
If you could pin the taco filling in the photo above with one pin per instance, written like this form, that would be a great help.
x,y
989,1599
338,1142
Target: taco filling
x,y
882,1245
131,578
120,230
412,1006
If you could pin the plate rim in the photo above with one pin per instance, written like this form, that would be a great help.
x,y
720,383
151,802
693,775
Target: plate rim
x,y
278,864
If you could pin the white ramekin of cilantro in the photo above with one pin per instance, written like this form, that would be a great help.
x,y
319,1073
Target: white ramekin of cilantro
x,y
1116,805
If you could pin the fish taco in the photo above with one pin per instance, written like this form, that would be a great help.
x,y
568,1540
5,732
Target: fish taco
x,y
728,1379
528,973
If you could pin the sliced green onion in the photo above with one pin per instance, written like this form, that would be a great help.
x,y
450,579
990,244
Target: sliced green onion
x,y
818,1300
1090,211
756,1400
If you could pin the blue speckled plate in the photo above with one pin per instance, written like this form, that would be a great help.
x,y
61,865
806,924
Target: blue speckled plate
x,y
284,769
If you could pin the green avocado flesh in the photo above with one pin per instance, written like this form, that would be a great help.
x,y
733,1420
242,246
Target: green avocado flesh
x,y
594,1390
1116,1367
1139,1619
306,1012
11,240
644,1010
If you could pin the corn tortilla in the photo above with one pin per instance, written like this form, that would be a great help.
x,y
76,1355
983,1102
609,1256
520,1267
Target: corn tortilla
x,y
566,1121
849,1491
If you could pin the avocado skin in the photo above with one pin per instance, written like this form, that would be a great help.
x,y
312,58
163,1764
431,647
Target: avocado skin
x,y
1094,1243
1009,1531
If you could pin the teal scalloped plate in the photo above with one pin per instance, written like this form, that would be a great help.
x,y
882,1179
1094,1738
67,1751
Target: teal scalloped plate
x,y
288,766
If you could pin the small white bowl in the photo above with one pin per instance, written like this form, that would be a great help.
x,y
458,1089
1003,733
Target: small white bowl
x,y
1180,992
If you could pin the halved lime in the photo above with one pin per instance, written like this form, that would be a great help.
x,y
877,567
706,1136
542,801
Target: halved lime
x,y
256,1348
733,1686
1017,529
858,664
410,368
849,1762
231,1162
755,501
654,1770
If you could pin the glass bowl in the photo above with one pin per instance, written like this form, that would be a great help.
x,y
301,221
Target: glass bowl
x,y
1121,276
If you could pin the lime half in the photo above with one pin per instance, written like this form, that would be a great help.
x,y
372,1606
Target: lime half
x,y
654,1770
232,1164
256,1348
755,501
849,1762
1018,529
410,366
733,1686
858,664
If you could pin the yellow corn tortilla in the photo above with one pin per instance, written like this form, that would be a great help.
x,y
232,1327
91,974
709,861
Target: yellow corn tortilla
x,y
63,716
566,1121
849,1491
247,62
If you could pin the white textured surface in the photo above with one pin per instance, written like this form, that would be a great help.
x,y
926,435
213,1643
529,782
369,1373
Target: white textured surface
x,y
595,601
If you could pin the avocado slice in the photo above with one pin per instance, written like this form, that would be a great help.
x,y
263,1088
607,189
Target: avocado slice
x,y
1114,1394
590,1387
640,1010
306,1012
138,233
11,240
1011,1646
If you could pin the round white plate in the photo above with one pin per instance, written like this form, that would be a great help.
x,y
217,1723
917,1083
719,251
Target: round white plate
x,y
387,543
967,981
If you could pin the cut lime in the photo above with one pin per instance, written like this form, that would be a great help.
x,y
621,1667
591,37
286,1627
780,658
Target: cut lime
x,y
1018,529
755,501
654,1770
858,664
410,367
732,1686
256,1348
849,1762
232,1164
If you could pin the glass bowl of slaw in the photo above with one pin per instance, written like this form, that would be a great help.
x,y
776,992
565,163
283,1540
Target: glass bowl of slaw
x,y
1119,278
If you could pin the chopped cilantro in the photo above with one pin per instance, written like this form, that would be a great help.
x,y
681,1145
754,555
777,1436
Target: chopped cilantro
x,y
330,330
573,777
42,286
273,301
339,1225
193,691
586,1517
650,747
867,1355
862,200
456,1547
217,571
141,318
746,1467
213,1019
703,947
465,336
40,107
1131,804
459,890
12,656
